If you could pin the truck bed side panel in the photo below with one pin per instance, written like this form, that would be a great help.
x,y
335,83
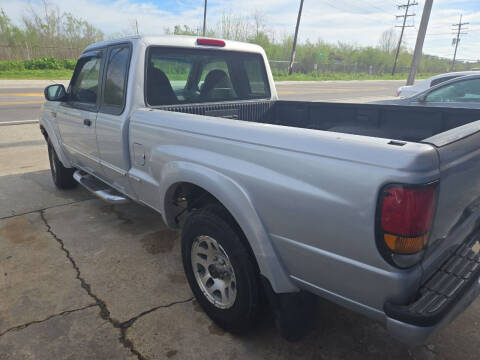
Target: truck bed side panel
x,y
458,209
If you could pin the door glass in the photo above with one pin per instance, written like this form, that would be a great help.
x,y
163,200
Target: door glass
x,y
467,91
85,85
116,76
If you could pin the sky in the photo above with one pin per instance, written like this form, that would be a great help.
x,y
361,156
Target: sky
x,y
359,22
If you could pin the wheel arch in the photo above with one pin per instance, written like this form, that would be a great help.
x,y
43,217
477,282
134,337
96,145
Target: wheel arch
x,y
237,202
48,132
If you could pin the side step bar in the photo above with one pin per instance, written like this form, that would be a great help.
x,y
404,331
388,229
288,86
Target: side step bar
x,y
99,189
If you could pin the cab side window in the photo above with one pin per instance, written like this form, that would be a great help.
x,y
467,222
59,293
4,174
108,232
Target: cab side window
x,y
116,77
84,88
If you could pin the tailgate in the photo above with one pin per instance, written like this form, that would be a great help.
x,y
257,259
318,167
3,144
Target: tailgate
x,y
458,205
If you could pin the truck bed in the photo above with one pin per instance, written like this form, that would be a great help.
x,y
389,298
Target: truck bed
x,y
407,123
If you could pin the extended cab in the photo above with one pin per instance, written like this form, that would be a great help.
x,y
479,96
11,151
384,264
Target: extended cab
x,y
374,207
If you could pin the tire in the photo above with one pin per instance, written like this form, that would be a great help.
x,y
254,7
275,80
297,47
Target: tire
x,y
235,309
61,176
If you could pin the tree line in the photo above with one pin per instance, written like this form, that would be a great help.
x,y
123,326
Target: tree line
x,y
48,32
45,33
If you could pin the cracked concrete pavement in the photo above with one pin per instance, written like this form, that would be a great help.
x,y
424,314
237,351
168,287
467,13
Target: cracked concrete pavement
x,y
81,279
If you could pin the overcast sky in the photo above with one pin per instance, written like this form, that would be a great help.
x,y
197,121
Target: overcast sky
x,y
351,21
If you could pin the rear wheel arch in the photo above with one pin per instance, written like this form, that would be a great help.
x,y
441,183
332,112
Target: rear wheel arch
x,y
196,198
236,201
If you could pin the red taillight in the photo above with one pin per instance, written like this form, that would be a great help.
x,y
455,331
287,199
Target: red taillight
x,y
211,42
406,217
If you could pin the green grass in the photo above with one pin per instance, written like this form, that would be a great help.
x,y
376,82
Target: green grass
x,y
40,74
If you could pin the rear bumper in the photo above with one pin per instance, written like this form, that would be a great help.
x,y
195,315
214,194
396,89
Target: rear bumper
x,y
444,296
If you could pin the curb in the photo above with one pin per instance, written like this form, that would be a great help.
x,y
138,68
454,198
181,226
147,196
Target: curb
x,y
20,122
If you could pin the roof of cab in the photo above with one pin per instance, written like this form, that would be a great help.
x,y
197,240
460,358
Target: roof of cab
x,y
177,41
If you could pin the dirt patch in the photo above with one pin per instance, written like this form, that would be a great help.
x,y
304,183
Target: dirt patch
x,y
196,306
16,230
215,330
171,353
159,242
177,278
120,215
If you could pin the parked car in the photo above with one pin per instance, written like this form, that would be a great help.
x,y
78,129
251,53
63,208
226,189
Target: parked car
x,y
421,86
461,92
374,207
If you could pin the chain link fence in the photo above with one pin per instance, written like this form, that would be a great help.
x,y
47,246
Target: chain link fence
x,y
298,67
27,52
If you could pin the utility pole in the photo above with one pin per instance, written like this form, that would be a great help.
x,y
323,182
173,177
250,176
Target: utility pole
x,y
422,31
292,60
136,25
204,19
405,17
456,41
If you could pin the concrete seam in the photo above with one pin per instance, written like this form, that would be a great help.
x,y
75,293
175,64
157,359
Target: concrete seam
x,y
104,312
47,208
66,312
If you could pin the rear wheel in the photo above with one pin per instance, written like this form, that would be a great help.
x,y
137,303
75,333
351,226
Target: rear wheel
x,y
62,176
220,270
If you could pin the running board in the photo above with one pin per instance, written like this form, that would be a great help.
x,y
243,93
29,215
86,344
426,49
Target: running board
x,y
99,189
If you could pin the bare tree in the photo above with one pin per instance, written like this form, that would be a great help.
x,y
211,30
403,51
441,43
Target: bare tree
x,y
234,27
388,40
258,21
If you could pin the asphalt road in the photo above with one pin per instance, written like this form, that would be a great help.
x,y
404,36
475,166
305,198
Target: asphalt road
x,y
22,100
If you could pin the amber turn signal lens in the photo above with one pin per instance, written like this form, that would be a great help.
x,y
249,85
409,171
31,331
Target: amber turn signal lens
x,y
405,245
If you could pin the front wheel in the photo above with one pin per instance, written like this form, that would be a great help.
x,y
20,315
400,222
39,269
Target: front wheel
x,y
220,270
61,176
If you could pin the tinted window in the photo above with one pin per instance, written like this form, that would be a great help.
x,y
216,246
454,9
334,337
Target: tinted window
x,y
84,88
181,76
116,76
441,80
467,91
256,77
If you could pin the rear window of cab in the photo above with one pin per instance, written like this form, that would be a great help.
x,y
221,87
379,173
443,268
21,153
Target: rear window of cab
x,y
187,76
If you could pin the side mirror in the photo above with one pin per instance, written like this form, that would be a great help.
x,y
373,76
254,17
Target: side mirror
x,y
55,92
422,99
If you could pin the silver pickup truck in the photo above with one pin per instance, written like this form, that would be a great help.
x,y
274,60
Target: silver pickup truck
x,y
374,207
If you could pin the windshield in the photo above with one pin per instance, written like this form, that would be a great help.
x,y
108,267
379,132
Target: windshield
x,y
184,76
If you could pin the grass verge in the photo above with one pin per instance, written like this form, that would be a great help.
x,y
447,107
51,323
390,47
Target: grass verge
x,y
65,74
44,74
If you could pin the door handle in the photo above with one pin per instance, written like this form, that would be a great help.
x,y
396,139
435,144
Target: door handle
x,y
87,122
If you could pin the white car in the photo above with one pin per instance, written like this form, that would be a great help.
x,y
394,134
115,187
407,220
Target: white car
x,y
408,91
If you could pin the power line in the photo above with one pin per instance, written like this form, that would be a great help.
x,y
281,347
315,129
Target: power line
x,y
376,6
405,17
350,7
456,41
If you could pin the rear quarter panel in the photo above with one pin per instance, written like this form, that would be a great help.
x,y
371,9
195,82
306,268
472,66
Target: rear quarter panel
x,y
315,194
